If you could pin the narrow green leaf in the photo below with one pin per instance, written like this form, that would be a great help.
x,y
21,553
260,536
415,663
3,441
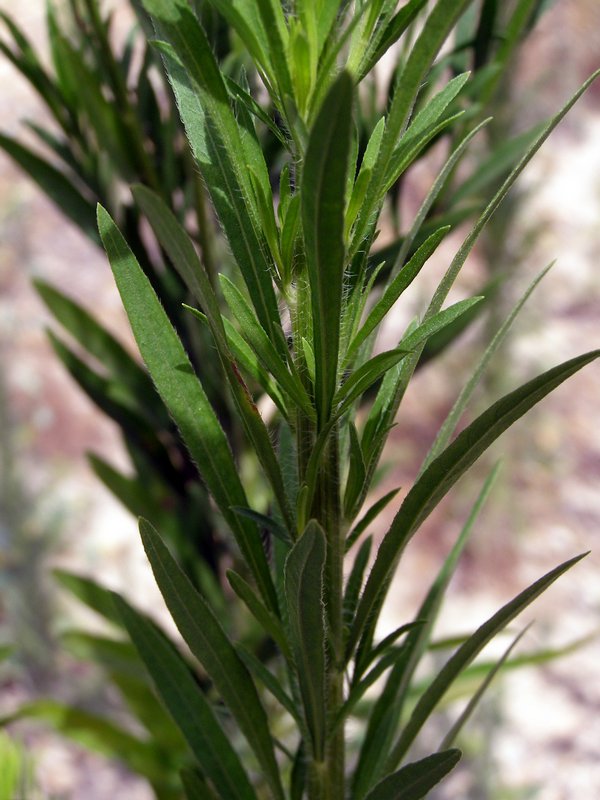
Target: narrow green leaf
x,y
55,184
95,733
246,358
195,787
276,32
449,425
181,251
253,107
367,374
467,652
387,710
115,655
243,16
217,145
386,411
469,242
359,688
387,642
445,471
400,283
189,708
184,396
389,35
371,514
432,195
101,344
364,176
415,780
494,168
268,621
268,680
91,593
433,34
467,712
356,473
304,570
323,205
182,254
258,339
355,580
264,521
209,643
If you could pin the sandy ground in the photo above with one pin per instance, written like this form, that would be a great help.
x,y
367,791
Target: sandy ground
x,y
546,508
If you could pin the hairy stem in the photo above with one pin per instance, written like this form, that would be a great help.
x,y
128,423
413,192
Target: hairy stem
x,y
327,510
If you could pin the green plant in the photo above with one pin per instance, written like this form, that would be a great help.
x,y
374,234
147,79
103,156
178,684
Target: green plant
x,y
15,771
304,298
117,123
314,264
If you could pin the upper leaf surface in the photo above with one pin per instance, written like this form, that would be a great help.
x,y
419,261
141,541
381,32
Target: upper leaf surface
x,y
323,208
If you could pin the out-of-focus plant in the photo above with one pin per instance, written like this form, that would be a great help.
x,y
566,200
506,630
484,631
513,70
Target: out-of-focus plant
x,y
16,773
300,174
26,541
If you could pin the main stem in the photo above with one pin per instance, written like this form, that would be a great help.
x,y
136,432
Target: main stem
x,y
327,510
326,779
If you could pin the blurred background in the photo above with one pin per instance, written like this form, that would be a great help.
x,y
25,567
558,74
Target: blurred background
x,y
538,733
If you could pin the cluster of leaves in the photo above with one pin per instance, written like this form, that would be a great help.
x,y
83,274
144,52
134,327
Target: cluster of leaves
x,y
299,184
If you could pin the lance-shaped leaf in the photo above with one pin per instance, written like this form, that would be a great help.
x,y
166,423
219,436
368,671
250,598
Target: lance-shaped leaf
x,y
266,677
258,339
209,643
419,227
467,712
96,733
466,653
372,370
244,18
323,206
304,570
410,80
195,786
387,34
387,710
91,593
184,396
355,580
57,186
368,517
270,624
101,344
395,389
182,254
444,472
399,284
115,655
448,427
215,138
189,707
415,780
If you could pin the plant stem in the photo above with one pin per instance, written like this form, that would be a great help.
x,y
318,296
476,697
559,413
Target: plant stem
x,y
326,779
327,510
